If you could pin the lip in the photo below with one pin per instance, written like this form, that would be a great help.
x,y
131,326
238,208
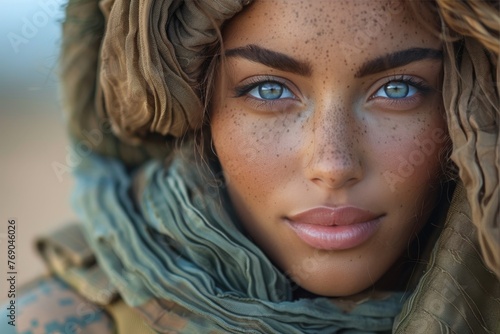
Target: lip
x,y
336,228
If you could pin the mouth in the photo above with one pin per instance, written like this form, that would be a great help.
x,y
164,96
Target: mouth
x,y
336,228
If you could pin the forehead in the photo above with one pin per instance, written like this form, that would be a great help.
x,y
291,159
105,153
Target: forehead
x,y
353,29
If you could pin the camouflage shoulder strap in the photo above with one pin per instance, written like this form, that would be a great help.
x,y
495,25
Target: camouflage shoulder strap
x,y
69,257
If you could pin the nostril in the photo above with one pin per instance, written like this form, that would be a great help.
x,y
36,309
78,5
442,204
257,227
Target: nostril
x,y
325,182
332,183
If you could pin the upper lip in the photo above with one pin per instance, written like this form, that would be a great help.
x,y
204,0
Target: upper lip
x,y
331,216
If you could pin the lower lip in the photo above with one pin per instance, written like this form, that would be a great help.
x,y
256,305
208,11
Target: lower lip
x,y
335,237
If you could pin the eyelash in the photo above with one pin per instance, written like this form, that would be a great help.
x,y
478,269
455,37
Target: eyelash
x,y
254,82
280,104
422,90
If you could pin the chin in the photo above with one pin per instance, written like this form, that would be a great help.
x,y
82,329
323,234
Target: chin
x,y
330,289
341,279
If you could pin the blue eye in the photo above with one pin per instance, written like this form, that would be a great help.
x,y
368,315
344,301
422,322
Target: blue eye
x,y
396,90
270,90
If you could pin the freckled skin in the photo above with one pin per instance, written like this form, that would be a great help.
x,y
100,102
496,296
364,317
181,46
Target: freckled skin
x,y
333,143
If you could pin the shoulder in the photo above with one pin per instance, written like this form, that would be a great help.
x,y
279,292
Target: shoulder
x,y
48,305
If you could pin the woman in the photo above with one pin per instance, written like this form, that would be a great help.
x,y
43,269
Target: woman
x,y
314,194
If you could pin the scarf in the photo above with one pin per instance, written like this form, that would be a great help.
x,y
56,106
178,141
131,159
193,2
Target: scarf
x,y
163,233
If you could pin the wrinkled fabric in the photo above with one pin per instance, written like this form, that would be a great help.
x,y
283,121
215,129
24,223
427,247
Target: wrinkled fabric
x,y
174,240
83,30
457,293
471,93
151,60
130,71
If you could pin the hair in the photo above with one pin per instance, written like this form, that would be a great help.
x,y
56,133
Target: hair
x,y
207,89
204,153
212,68
477,19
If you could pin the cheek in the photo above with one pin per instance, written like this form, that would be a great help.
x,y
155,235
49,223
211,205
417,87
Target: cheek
x,y
248,150
413,159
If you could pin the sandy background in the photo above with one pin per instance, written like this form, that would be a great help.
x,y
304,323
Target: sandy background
x,y
32,134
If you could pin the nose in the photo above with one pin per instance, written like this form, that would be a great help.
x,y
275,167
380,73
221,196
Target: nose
x,y
332,157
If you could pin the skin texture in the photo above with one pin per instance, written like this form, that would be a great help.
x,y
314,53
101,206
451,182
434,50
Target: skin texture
x,y
334,137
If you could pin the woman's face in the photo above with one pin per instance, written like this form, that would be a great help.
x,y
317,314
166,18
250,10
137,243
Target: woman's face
x,y
328,125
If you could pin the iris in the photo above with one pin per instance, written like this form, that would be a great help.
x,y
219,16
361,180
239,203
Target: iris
x,y
270,90
396,89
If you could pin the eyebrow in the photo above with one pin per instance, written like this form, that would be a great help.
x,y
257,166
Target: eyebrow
x,y
274,59
397,59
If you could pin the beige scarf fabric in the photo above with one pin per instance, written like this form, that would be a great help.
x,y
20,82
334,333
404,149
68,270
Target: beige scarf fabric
x,y
472,96
130,71
456,293
151,60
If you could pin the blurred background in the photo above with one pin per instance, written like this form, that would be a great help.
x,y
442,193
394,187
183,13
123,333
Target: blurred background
x,y
32,133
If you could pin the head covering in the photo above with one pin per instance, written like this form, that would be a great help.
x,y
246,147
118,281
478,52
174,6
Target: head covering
x,y
130,71
151,60
130,74
473,96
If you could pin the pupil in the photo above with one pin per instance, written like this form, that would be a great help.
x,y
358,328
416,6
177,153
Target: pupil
x,y
270,91
396,90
